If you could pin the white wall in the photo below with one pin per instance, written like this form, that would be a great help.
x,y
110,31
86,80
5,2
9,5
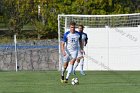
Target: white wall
x,y
113,49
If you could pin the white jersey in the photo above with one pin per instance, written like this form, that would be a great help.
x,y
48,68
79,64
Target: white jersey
x,y
72,40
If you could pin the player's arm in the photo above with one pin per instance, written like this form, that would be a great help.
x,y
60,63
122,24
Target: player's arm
x,y
81,47
86,40
63,45
80,42
63,48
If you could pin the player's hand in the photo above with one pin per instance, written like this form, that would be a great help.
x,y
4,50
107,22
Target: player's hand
x,y
83,52
64,53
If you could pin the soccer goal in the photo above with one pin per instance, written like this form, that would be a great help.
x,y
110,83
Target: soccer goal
x,y
113,40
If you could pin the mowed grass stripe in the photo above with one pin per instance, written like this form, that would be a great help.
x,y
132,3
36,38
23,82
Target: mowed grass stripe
x,y
49,82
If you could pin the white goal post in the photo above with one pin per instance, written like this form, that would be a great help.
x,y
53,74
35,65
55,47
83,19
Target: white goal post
x,y
114,40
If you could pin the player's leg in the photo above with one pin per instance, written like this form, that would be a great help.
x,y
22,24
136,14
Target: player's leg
x,y
66,59
76,64
82,66
70,66
64,67
80,55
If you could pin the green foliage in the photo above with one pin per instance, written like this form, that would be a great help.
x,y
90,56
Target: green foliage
x,y
18,13
4,40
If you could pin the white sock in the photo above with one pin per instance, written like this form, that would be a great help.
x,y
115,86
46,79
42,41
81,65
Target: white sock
x,y
69,71
81,64
75,65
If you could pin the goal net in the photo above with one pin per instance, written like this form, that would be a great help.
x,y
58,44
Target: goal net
x,y
113,40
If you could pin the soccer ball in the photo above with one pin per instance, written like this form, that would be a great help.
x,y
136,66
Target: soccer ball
x,y
74,81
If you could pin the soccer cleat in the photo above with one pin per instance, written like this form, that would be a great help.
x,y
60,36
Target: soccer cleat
x,y
62,81
82,73
66,81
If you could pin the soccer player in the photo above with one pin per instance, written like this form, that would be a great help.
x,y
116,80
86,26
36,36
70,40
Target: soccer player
x,y
71,39
80,57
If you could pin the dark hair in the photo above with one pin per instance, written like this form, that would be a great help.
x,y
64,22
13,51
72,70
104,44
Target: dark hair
x,y
81,26
72,23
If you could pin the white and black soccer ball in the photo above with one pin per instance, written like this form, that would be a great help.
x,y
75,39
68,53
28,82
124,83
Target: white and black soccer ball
x,y
74,81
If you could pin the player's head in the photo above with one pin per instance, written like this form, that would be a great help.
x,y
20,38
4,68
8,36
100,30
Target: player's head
x,y
80,28
72,27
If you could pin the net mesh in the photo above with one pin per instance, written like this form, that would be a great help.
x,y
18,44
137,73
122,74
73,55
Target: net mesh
x,y
109,37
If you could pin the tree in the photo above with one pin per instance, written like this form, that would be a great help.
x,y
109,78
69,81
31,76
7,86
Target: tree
x,y
42,14
17,13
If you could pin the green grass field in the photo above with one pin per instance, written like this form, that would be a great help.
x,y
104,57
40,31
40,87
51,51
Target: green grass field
x,y
49,82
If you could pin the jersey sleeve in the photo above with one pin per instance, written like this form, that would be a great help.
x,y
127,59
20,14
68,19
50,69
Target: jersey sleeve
x,y
65,37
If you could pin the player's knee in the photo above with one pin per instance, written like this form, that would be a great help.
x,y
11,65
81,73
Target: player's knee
x,y
78,60
81,57
65,65
72,61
